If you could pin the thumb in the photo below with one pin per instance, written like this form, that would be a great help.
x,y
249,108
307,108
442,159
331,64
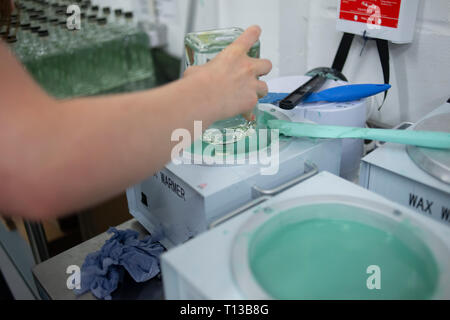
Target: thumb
x,y
247,39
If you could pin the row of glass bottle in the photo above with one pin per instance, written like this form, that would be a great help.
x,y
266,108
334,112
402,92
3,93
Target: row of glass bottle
x,y
98,57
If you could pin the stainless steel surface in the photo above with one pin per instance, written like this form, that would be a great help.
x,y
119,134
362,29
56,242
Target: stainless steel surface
x,y
434,162
14,281
264,194
51,275
38,240
311,170
234,213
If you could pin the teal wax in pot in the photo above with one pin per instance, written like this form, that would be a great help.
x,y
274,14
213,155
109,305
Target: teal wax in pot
x,y
328,259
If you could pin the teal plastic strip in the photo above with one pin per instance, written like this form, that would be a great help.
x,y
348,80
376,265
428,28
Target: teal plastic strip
x,y
428,139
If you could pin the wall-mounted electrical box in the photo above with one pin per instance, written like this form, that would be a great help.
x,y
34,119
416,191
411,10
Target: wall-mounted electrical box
x,y
392,20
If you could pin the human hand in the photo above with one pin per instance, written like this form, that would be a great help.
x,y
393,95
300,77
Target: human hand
x,y
231,78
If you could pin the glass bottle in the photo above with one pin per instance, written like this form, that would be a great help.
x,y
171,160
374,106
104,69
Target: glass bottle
x,y
118,14
12,42
106,13
202,47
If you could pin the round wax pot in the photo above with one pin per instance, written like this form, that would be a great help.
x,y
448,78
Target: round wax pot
x,y
435,162
353,114
247,149
338,247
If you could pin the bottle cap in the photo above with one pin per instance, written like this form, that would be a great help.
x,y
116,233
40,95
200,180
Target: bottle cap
x,y
43,33
102,21
25,26
11,39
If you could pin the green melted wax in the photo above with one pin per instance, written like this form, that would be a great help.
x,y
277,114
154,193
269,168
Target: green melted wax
x,y
328,259
252,142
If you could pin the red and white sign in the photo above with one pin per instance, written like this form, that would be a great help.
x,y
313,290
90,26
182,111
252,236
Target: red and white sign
x,y
384,13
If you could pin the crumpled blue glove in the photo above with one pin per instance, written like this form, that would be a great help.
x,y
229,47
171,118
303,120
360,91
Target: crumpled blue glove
x,y
102,271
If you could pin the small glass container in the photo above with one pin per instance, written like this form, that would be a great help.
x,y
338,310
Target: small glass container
x,y
201,47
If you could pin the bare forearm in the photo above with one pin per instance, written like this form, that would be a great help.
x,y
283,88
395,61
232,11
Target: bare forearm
x,y
126,138
83,151
58,156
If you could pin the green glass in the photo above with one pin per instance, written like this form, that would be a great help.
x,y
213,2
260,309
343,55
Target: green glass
x,y
202,47
104,56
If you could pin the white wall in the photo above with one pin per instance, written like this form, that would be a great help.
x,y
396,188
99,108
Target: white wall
x,y
420,72
299,35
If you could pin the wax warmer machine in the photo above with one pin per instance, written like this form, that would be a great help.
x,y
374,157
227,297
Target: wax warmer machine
x,y
415,177
325,238
183,200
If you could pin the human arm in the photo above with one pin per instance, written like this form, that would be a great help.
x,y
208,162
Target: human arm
x,y
61,156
